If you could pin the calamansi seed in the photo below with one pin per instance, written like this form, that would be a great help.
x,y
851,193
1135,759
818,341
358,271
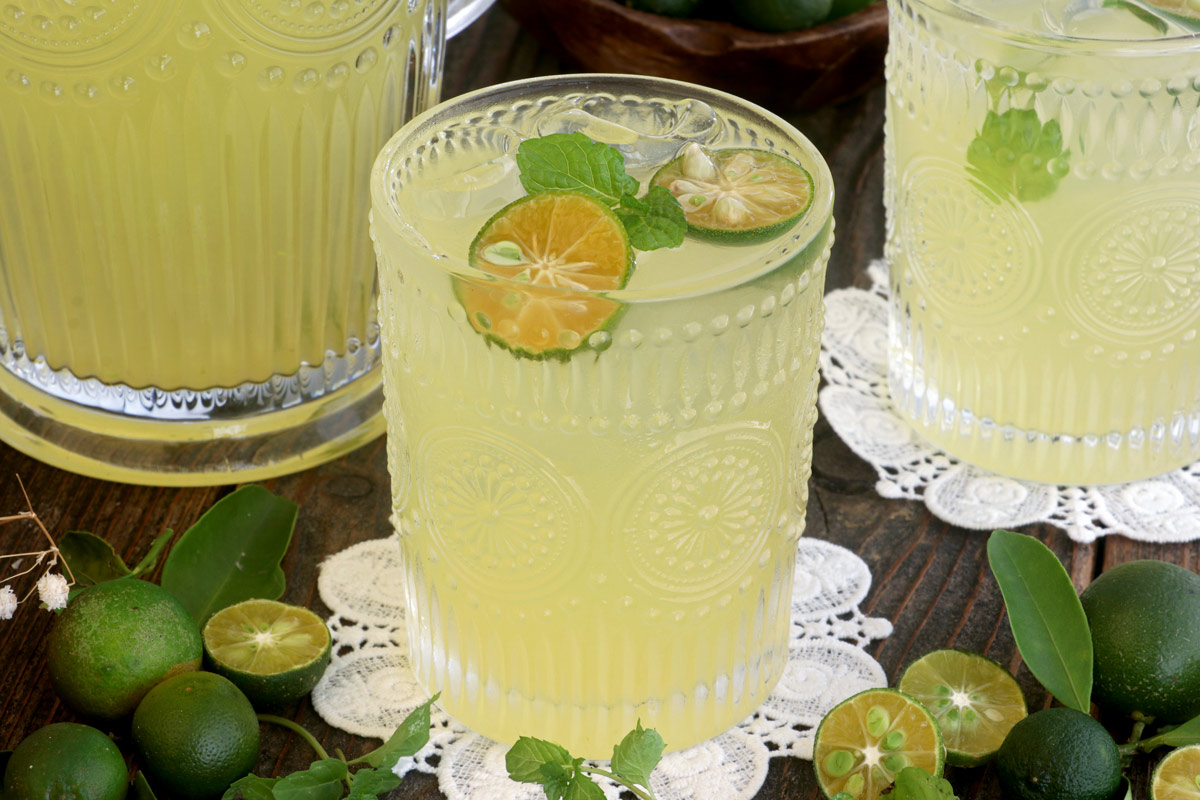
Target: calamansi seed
x,y
878,721
839,762
893,741
970,716
504,254
855,783
942,690
698,200
895,762
993,714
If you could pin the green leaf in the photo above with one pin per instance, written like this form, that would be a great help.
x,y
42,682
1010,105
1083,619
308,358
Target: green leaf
x,y
232,553
251,787
1128,793
370,783
573,161
1016,155
410,736
525,759
91,559
654,221
557,779
637,755
1179,736
323,780
583,788
914,783
1046,616
141,788
150,560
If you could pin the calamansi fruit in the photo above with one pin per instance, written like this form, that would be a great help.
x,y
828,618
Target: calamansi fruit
x,y
66,760
864,741
1177,776
274,652
737,195
974,700
115,641
554,253
1058,754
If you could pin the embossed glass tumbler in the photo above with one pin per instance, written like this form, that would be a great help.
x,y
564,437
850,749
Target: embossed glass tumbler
x,y
606,532
1043,229
188,284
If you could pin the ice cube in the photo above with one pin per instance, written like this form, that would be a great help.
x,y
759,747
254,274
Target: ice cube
x,y
1108,19
648,132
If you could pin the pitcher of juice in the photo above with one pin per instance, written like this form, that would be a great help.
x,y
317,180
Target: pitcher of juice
x,y
188,284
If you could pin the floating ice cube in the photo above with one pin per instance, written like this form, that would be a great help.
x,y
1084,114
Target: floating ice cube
x,y
1107,19
648,133
470,172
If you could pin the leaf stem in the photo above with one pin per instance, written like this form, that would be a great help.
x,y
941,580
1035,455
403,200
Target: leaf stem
x,y
284,722
642,794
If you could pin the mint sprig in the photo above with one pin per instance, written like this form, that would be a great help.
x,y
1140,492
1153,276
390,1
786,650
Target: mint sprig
x,y
914,783
573,161
1016,155
564,777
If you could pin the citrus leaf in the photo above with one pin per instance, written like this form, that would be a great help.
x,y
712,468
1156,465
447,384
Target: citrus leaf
x,y
232,553
1046,616
91,559
1128,794
150,560
141,788
1179,736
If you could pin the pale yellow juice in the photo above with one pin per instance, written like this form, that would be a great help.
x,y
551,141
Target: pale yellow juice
x,y
609,536
182,225
1045,276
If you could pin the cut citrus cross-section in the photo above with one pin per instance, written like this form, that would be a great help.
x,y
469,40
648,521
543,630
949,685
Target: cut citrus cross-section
x,y
863,743
1177,776
555,251
975,701
737,195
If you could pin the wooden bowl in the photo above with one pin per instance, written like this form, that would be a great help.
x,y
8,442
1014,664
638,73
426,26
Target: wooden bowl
x,y
799,70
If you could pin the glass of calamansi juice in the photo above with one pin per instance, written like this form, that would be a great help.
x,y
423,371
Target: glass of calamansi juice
x,y
188,285
601,311
1043,196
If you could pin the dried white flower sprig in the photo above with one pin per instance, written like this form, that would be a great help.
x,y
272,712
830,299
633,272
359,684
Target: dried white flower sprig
x,y
51,587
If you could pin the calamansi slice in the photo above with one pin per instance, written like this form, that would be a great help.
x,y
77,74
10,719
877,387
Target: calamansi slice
x,y
863,743
737,195
1177,776
974,700
554,250
274,652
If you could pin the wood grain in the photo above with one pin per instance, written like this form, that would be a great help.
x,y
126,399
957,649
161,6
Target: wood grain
x,y
931,578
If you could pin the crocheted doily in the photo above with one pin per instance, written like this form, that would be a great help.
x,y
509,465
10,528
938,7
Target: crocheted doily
x,y
369,688
857,405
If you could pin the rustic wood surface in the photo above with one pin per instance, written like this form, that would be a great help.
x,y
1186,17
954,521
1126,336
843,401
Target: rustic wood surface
x,y
931,579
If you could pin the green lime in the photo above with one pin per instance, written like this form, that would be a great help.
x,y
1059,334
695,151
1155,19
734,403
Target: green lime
x,y
737,195
66,760
668,8
195,734
115,641
274,652
974,700
864,742
779,16
1058,754
1143,616
1177,776
557,251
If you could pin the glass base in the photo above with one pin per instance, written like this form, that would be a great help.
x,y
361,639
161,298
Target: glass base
x,y
187,438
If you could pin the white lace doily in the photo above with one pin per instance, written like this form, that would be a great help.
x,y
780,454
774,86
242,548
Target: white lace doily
x,y
857,405
368,688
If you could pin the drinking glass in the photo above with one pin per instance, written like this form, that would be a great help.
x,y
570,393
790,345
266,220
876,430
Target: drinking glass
x,y
189,290
607,533
1043,230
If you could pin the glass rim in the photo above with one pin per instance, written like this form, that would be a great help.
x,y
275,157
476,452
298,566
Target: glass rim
x,y
1049,40
408,140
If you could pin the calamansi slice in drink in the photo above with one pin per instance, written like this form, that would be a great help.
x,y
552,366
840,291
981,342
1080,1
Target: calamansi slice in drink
x,y
864,742
974,700
737,195
274,652
1177,776
556,251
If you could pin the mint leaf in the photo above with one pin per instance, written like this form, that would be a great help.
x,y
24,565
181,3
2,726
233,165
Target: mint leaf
x,y
410,736
1016,155
653,221
583,788
370,783
637,755
251,787
525,760
140,790
914,783
1046,616
323,780
573,161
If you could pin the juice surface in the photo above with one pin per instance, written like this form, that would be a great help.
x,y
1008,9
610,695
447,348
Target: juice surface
x,y
609,536
1044,233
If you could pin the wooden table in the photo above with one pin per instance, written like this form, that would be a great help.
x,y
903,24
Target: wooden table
x,y
931,579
